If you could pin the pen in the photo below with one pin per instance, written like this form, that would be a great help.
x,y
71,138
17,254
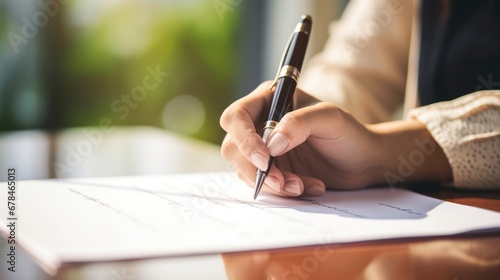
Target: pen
x,y
284,86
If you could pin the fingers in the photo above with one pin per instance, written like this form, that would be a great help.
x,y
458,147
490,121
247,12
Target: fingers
x,y
322,120
294,185
246,170
313,186
297,185
239,119
282,183
246,150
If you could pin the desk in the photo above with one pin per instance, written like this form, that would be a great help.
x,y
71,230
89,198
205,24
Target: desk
x,y
446,258
469,257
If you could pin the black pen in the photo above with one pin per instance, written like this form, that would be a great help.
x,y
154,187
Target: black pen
x,y
285,83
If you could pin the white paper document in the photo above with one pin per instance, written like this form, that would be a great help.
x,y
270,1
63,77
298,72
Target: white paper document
x,y
61,222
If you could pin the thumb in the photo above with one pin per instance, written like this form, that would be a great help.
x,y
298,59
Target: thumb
x,y
323,120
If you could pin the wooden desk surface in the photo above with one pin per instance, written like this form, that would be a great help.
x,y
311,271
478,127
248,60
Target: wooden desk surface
x,y
444,258
483,199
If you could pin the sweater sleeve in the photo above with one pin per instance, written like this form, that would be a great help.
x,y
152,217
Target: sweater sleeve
x,y
468,131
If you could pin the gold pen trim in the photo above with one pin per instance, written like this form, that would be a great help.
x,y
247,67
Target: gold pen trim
x,y
286,71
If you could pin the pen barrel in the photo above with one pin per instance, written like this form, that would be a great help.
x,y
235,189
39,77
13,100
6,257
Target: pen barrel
x,y
286,84
284,87
282,98
295,56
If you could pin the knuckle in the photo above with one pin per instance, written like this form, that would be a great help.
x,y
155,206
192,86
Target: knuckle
x,y
225,117
339,116
294,121
335,113
230,113
227,148
251,142
327,106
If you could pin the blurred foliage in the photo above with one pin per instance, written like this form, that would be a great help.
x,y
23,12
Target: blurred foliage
x,y
103,52
3,23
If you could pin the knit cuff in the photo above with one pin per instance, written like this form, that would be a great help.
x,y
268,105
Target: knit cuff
x,y
468,131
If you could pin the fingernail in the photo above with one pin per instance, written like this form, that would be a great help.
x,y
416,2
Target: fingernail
x,y
259,160
273,183
314,190
292,187
277,144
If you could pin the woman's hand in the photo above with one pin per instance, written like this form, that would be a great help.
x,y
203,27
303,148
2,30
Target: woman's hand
x,y
318,144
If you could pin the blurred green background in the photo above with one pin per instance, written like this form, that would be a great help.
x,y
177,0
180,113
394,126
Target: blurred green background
x,y
158,72
86,58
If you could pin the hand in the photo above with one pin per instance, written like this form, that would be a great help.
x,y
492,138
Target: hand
x,y
316,144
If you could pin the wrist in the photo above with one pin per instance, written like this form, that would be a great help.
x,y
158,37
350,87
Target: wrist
x,y
407,153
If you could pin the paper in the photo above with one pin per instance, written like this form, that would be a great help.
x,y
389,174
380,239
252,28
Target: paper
x,y
87,220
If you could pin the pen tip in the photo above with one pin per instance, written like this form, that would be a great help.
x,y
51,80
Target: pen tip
x,y
259,181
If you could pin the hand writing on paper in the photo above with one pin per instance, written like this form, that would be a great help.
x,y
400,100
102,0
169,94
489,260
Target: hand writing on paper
x,y
318,144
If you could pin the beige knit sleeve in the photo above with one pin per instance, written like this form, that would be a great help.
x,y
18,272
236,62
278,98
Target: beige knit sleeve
x,y
468,131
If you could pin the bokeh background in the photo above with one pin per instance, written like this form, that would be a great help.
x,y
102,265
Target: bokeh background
x,y
131,87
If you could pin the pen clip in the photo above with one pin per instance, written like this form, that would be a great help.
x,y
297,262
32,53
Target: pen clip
x,y
281,62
